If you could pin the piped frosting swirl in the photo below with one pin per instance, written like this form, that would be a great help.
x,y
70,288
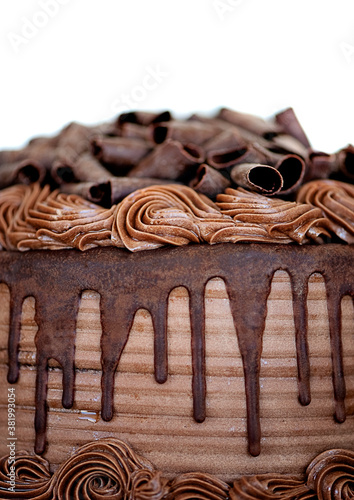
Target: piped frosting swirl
x,y
160,215
336,200
172,214
109,468
271,220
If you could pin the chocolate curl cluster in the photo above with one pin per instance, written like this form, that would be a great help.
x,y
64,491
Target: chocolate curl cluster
x,y
107,162
336,201
340,164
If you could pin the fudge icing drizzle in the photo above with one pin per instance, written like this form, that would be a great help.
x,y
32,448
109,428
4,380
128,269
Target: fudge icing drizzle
x,y
122,278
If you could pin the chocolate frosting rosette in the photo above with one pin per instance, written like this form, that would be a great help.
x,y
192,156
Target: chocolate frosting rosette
x,y
165,215
271,220
35,218
336,200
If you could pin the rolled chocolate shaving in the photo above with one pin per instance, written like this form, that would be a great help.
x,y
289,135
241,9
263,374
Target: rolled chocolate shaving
x,y
122,186
97,192
262,179
183,131
86,168
10,156
119,153
290,125
227,139
40,150
255,124
134,131
74,140
209,181
144,118
345,161
21,172
292,168
320,165
287,144
224,158
169,160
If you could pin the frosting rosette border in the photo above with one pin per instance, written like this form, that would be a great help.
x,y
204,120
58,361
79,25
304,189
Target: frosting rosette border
x,y
109,468
35,218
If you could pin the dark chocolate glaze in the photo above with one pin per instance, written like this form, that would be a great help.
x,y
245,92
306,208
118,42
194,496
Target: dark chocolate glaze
x,y
127,282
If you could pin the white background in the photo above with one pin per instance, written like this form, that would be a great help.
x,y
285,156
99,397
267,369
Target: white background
x,y
87,60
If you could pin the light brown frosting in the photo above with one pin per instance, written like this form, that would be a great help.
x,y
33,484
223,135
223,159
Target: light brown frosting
x,y
271,220
160,215
336,200
32,218
172,214
109,468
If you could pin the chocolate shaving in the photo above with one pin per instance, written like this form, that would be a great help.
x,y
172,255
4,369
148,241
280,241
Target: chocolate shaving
x,y
227,139
251,123
209,181
144,118
122,186
134,131
97,192
119,153
290,125
183,131
261,179
169,160
345,159
21,172
86,168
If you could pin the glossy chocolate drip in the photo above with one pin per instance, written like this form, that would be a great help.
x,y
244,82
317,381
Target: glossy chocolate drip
x,y
128,281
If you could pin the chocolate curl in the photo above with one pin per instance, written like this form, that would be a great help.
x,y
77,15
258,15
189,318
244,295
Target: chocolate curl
x,y
292,169
21,172
169,160
40,150
261,179
321,165
92,191
144,118
86,168
226,140
134,131
122,186
209,181
10,156
183,131
253,124
74,140
289,123
224,158
288,144
119,153
345,161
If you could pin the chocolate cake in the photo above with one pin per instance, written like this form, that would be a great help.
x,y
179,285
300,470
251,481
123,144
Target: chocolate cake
x,y
176,311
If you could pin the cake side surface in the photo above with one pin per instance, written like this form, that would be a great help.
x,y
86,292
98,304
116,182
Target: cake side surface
x,y
161,418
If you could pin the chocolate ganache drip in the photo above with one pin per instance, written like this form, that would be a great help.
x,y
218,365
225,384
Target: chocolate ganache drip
x,y
122,278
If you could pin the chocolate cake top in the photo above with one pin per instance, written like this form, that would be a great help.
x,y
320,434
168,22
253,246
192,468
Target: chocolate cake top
x,y
147,180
